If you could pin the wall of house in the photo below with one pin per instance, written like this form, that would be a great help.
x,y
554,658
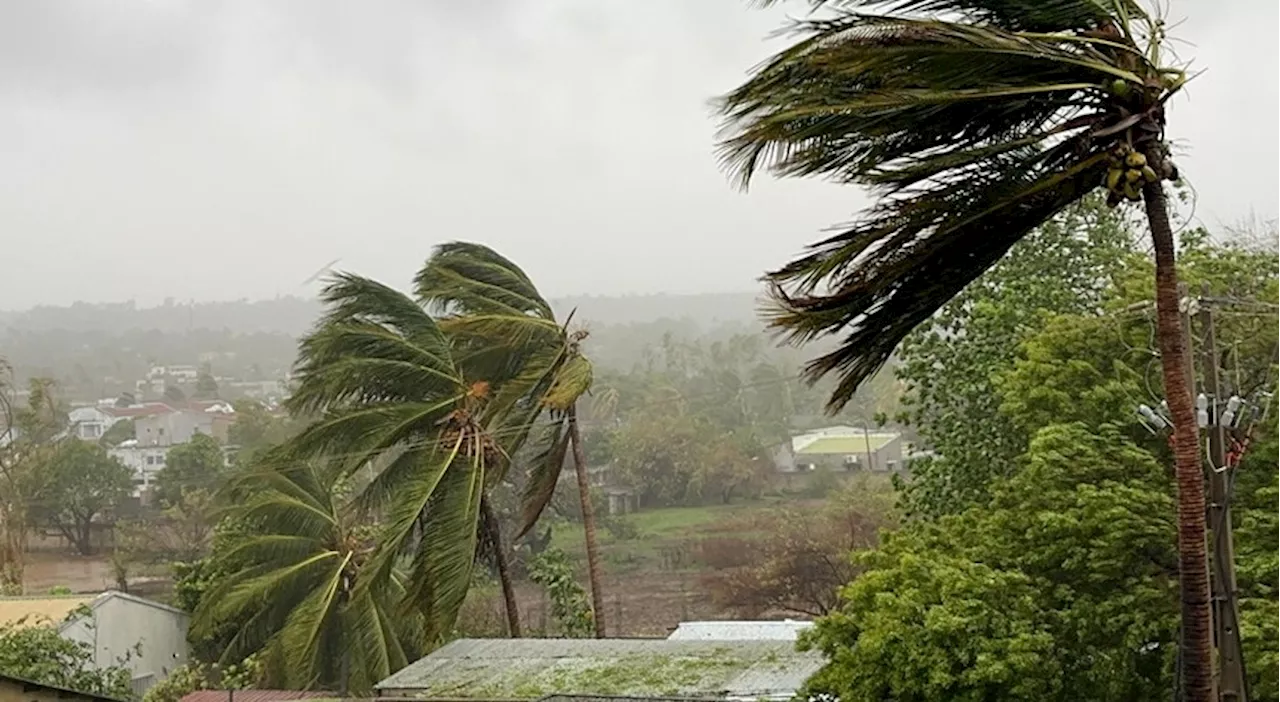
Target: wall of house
x,y
149,640
173,427
145,461
90,422
17,691
886,458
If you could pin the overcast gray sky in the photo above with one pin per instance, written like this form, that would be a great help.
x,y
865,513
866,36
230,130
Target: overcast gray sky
x,y
222,149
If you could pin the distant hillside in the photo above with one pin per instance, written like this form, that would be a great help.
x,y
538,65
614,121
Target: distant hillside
x,y
294,315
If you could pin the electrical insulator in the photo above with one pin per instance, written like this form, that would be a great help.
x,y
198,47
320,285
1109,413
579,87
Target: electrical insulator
x,y
1151,417
1229,414
1202,410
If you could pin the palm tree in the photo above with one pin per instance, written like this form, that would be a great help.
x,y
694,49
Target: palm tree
x,y
514,334
381,378
974,121
293,586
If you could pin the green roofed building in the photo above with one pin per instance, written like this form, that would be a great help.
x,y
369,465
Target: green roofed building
x,y
842,448
531,669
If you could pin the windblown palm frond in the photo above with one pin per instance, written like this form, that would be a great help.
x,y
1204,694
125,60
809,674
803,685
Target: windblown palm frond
x,y
293,586
1018,15
503,328
971,131
503,325
381,381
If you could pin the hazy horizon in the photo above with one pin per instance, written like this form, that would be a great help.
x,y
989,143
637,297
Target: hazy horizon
x,y
223,151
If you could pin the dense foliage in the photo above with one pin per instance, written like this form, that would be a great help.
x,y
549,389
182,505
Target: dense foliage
x,y
33,650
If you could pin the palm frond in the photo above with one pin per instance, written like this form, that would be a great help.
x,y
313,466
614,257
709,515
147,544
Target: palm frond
x,y
860,92
352,438
896,287
971,132
440,572
1016,15
413,496
571,382
544,474
350,362
511,331
310,623
352,298
463,278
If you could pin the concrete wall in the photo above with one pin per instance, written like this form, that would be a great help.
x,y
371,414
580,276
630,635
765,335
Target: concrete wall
x,y
145,461
148,639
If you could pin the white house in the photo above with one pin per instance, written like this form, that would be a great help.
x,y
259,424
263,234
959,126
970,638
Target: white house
x,y
90,423
145,461
177,426
147,638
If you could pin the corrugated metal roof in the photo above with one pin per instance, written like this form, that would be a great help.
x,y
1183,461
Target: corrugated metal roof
x,y
737,630
54,609
37,611
533,668
841,445
254,695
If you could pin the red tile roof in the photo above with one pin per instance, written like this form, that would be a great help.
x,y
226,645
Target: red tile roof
x,y
254,695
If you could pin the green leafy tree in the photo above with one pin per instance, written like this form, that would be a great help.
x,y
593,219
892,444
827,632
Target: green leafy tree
x,y
1062,587
569,605
33,650
200,676
174,395
121,431
206,385
387,393
82,485
951,361
27,436
973,122
198,464
294,589
504,326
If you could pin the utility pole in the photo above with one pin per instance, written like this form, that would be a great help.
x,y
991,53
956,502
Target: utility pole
x,y
1226,613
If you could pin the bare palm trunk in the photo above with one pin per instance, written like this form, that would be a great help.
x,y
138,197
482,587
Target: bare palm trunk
x,y
1195,647
494,535
588,523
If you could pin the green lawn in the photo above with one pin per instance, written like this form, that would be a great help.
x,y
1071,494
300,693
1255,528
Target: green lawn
x,y
655,529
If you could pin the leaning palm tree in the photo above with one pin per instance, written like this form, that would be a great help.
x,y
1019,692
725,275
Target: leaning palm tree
x,y
506,327
382,381
974,121
293,591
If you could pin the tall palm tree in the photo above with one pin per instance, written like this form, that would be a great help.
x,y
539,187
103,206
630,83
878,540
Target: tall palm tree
x,y
294,591
539,364
382,380
975,121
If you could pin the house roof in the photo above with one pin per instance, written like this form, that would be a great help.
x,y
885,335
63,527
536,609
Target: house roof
x,y
145,409
54,609
40,610
62,691
254,695
533,668
786,630
842,445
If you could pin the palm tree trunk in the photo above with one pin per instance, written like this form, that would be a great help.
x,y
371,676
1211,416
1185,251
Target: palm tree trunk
x,y
588,523
1195,647
494,536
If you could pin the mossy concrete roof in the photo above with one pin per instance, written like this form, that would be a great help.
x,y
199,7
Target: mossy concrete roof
x,y
527,669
